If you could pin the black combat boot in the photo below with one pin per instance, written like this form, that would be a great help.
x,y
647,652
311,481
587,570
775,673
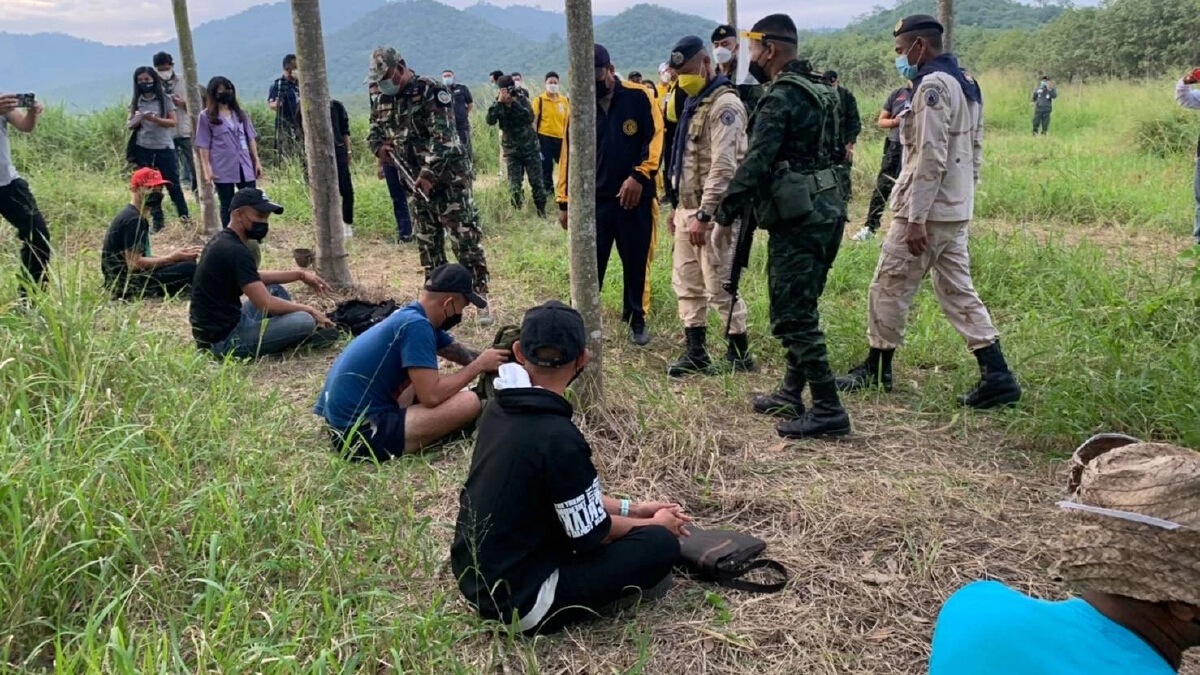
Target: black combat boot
x,y
876,371
738,354
997,385
695,360
788,401
827,417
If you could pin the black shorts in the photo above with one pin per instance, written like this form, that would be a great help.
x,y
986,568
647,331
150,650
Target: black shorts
x,y
379,437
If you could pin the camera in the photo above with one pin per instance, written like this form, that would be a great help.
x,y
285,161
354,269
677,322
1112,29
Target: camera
x,y
26,100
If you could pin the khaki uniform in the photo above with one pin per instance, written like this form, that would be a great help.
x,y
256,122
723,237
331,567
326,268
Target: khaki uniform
x,y
942,134
715,145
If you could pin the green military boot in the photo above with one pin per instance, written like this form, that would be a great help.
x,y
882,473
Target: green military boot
x,y
826,418
788,401
695,360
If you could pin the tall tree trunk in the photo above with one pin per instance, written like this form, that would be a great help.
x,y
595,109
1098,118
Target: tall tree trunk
x,y
945,10
731,13
332,263
191,77
581,186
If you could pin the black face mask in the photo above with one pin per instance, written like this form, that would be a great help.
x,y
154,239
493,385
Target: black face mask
x,y
154,200
576,376
759,72
601,89
450,322
146,87
225,98
257,231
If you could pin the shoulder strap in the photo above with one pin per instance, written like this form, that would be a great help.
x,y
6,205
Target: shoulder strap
x,y
822,96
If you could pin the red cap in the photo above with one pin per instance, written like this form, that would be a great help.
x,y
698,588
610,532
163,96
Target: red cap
x,y
147,177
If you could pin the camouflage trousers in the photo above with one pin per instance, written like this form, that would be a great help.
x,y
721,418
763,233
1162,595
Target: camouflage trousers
x,y
798,261
450,210
525,163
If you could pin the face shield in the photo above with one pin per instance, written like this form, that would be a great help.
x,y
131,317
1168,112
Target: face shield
x,y
743,58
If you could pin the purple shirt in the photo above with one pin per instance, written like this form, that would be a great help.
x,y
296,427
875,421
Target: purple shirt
x,y
228,145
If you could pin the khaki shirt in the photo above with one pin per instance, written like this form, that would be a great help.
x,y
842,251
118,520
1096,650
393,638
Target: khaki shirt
x,y
716,144
942,133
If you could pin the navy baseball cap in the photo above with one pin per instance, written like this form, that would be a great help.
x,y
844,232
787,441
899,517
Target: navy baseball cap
x,y
552,335
454,278
256,198
601,57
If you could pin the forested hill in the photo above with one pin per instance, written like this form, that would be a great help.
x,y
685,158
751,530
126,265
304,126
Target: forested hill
x,y
987,14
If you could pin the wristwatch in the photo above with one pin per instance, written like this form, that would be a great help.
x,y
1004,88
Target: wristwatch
x,y
703,216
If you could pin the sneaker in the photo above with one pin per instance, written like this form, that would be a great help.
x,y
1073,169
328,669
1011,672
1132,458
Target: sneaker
x,y
484,317
639,336
865,234
347,232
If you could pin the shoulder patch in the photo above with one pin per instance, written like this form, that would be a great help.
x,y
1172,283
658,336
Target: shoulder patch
x,y
444,97
630,127
931,97
728,118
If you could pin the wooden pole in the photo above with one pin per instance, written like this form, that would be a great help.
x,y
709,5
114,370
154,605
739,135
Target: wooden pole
x,y
210,215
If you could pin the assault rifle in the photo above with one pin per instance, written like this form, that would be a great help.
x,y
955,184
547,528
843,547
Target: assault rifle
x,y
410,183
741,260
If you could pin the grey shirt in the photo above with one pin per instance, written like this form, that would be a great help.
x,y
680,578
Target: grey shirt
x,y
896,103
150,135
178,86
8,172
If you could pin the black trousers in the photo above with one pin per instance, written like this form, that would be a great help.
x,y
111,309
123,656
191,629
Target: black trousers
x,y
225,192
18,207
630,230
628,566
464,137
158,282
167,164
893,158
345,185
551,150
399,200
187,162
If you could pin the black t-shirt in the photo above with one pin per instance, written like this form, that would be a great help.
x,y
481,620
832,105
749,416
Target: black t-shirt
x,y
462,98
129,231
341,124
895,105
226,267
532,500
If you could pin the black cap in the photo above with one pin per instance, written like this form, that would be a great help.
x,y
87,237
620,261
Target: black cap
x,y
553,327
916,22
256,198
830,75
683,51
601,57
722,32
454,278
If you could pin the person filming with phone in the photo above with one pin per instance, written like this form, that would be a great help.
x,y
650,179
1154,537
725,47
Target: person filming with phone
x,y
17,204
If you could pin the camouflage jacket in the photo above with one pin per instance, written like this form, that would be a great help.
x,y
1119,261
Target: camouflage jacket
x,y
419,122
516,121
942,133
851,122
796,121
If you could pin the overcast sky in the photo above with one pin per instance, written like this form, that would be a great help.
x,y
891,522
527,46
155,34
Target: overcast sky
x,y
141,21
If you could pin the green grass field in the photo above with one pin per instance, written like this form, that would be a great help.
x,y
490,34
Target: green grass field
x,y
161,512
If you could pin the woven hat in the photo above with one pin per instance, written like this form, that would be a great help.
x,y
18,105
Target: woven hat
x,y
1133,522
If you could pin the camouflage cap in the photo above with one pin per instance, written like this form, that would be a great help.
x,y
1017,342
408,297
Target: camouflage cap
x,y
382,60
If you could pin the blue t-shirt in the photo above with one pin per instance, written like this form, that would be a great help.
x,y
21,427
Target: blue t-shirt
x,y
987,628
373,369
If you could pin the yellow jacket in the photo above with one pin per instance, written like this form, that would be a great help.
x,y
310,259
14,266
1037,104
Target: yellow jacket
x,y
550,115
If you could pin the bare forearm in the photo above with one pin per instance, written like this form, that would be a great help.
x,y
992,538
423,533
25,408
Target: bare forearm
x,y
278,306
145,263
449,386
270,277
26,122
456,352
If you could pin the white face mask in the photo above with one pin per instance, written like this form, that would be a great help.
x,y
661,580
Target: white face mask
x,y
723,55
518,85
552,88
166,74
296,73
664,77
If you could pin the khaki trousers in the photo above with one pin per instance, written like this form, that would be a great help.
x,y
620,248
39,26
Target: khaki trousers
x,y
699,275
899,275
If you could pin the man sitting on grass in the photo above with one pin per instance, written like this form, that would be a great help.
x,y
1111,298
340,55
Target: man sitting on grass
x,y
536,542
384,397
268,322
129,269
1130,546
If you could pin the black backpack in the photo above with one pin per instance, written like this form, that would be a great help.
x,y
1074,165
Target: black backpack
x,y
356,316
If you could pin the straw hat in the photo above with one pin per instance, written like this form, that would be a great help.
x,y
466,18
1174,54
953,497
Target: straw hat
x,y
1147,544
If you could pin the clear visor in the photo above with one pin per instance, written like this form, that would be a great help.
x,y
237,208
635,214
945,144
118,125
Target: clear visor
x,y
743,62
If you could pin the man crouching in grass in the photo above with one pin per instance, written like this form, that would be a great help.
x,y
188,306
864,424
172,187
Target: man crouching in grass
x,y
536,542
384,396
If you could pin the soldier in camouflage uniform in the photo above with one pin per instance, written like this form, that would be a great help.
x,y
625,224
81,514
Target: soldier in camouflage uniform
x,y
849,128
788,178
417,126
522,151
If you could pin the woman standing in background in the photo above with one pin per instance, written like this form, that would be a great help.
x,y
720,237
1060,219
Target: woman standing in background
x,y
152,119
228,144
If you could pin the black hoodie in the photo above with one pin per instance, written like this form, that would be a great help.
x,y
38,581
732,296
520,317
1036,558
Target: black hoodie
x,y
532,500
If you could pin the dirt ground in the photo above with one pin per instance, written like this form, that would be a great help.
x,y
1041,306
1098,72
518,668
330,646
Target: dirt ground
x,y
876,530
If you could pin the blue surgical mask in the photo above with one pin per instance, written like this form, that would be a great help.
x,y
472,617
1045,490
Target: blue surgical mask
x,y
448,81
907,70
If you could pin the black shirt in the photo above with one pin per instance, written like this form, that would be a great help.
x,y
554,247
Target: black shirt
x,y
531,501
129,231
341,124
462,99
226,267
